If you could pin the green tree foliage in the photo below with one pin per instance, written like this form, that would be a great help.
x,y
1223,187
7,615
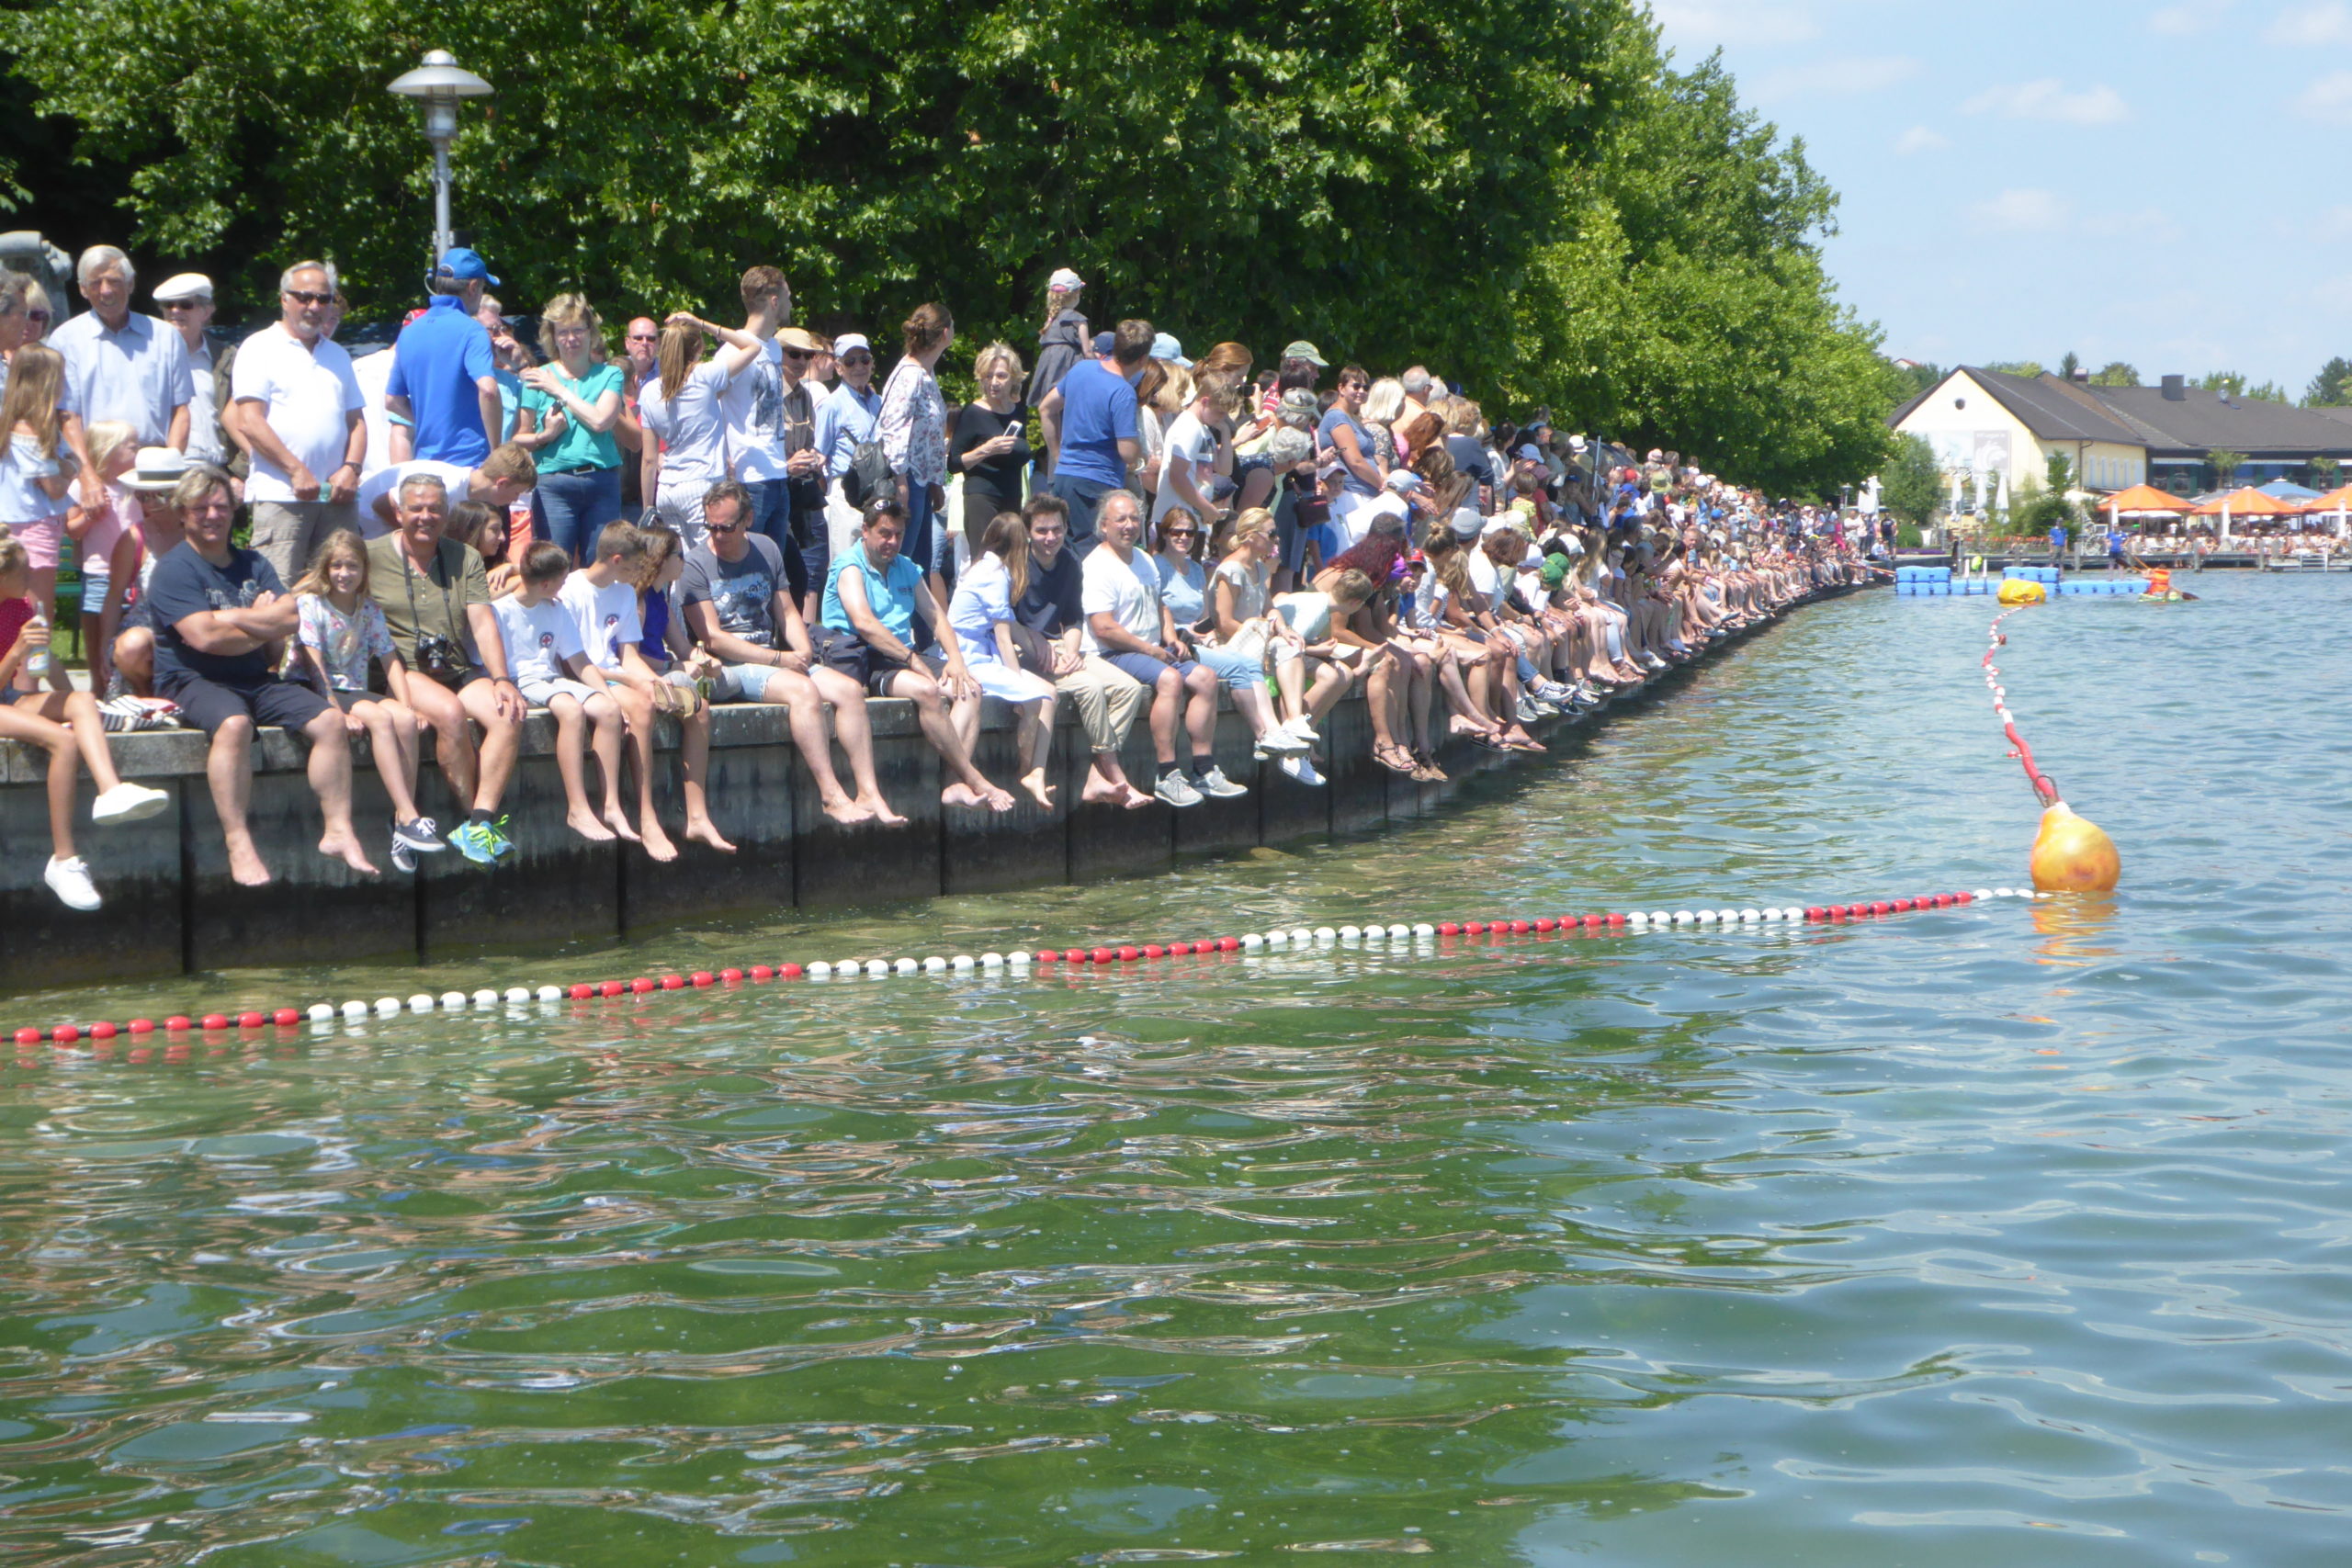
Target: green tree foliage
x,y
1521,193
2326,473
2225,465
2029,368
2332,387
2116,374
2228,381
2267,392
2068,366
1912,377
1911,485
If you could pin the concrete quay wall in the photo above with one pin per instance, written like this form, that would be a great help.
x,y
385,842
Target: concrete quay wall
x,y
172,908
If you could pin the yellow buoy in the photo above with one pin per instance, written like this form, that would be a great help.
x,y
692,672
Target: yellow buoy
x,y
2072,855
2017,591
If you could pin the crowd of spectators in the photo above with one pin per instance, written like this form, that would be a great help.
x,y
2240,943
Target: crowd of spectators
x,y
454,533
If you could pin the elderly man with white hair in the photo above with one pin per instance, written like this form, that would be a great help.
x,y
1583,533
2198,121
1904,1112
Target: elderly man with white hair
x,y
298,407
121,366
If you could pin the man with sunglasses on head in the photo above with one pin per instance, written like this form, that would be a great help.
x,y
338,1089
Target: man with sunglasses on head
x,y
298,407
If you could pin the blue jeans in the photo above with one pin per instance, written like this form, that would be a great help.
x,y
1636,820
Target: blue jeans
x,y
1082,497
772,517
574,508
928,545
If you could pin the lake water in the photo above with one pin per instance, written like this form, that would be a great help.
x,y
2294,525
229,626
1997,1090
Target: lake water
x,y
2012,1231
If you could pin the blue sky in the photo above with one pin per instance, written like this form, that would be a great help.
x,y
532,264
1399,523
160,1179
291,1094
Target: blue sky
x,y
2157,181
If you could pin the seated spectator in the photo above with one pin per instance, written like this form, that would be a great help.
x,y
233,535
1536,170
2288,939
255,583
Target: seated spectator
x,y
741,605
436,598
37,467
1128,625
982,612
603,598
337,630
486,529
504,478
1052,620
873,598
62,722
552,671
96,531
1240,620
122,623
219,614
1183,589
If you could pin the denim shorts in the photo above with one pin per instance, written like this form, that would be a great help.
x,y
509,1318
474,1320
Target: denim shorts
x,y
1143,667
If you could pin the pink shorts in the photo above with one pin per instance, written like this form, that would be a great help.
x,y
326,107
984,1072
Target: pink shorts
x,y
40,540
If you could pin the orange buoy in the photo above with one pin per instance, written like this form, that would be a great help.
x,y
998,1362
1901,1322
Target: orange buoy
x,y
2073,855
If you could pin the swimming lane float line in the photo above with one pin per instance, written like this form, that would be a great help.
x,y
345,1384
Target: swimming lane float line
x,y
2071,854
1630,923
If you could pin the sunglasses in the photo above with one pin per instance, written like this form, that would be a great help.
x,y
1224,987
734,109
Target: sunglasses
x,y
723,527
168,305
37,315
305,296
857,359
1179,533
643,337
796,353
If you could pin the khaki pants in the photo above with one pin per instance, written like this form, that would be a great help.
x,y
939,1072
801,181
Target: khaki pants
x,y
1108,702
289,533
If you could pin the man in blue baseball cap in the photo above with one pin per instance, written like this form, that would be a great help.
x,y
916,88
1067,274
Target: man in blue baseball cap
x,y
443,394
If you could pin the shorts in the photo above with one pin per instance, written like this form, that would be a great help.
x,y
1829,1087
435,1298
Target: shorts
x,y
208,704
40,539
1143,667
346,701
743,682
1241,669
537,693
457,683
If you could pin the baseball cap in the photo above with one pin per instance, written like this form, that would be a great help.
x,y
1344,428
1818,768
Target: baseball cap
x,y
462,265
849,343
1064,278
1466,523
1105,342
1302,349
1165,346
1530,452
1403,480
1554,571
184,286
1298,403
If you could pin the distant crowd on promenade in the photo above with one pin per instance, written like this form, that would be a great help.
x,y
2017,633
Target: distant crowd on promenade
x,y
452,534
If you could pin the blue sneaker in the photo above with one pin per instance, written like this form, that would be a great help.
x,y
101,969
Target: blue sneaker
x,y
499,844
477,841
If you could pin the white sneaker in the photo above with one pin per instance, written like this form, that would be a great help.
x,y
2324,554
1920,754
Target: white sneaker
x,y
1527,710
128,802
1282,741
1302,769
70,880
1177,790
1303,728
404,857
1214,782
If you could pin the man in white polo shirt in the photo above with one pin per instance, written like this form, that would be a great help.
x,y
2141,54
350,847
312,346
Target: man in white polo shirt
x,y
300,413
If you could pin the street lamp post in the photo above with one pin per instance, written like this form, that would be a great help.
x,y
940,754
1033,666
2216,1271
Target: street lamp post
x,y
437,84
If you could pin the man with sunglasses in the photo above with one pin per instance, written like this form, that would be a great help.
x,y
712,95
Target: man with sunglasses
x,y
845,420
298,409
186,303
641,348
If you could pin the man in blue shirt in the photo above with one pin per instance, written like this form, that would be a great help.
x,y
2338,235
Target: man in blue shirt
x,y
443,394
1090,422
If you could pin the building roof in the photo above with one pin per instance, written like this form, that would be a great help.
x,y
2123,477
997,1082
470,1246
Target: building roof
x,y
2202,423
2050,408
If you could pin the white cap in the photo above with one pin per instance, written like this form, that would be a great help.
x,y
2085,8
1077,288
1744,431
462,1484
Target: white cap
x,y
1466,524
1404,480
184,286
1064,278
848,340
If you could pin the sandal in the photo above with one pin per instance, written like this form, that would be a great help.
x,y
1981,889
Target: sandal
x,y
1387,757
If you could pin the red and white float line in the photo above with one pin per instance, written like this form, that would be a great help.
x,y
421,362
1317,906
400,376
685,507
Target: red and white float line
x,y
1019,964
2044,788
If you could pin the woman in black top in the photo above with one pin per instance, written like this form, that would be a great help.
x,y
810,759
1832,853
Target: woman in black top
x,y
989,445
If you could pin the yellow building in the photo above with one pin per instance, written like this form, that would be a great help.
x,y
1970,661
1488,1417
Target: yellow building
x,y
1991,431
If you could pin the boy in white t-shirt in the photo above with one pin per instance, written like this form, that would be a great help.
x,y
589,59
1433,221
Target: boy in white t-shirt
x,y
602,601
550,669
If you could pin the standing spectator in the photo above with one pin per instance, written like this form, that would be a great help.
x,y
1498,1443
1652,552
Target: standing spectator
x,y
36,468
824,373
436,599
1344,446
741,604
220,616
1128,623
846,421
574,403
754,410
913,426
121,366
299,412
990,443
443,392
1188,454
503,477
1090,424
872,602
186,303
1052,615
681,410
981,614
640,353
65,724
1061,342
508,360
338,629
804,464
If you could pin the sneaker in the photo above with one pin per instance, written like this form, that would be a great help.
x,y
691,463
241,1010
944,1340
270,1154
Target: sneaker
x,y
1301,728
499,844
128,802
1302,769
1177,790
404,853
70,880
423,836
1527,710
1214,782
477,841
1282,741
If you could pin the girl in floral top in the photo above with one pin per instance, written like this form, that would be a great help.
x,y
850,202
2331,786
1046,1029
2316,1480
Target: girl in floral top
x,y
339,629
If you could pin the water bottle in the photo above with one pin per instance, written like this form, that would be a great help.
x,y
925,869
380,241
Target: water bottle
x,y
37,661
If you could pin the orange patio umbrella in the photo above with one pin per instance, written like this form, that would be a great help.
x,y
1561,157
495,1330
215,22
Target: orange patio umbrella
x,y
2247,503
2143,500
